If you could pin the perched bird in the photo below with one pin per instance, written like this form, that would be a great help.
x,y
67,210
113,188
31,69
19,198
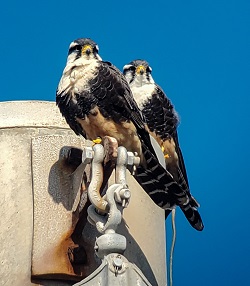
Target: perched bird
x,y
96,101
162,121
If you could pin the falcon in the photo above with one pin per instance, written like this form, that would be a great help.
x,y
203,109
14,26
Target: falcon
x,y
96,101
162,122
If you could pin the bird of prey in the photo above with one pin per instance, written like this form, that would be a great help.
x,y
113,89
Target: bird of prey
x,y
96,101
162,121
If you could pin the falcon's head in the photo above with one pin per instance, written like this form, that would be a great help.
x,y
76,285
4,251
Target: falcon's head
x,y
138,73
83,48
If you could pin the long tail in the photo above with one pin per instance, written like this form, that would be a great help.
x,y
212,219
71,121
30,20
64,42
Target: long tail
x,y
191,213
165,191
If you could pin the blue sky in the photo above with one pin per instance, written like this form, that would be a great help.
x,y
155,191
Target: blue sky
x,y
199,52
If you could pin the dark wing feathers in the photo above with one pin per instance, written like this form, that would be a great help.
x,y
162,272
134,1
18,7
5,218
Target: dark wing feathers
x,y
171,119
180,157
158,112
162,119
123,89
69,110
165,117
164,123
112,91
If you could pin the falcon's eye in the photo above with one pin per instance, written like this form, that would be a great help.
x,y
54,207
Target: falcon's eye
x,y
75,48
131,68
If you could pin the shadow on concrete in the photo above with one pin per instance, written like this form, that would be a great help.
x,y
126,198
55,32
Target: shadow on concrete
x,y
82,257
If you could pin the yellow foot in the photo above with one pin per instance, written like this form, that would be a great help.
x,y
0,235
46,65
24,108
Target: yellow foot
x,y
98,140
166,156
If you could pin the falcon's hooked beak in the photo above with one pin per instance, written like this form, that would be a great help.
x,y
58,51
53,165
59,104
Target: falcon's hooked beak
x,y
140,70
87,49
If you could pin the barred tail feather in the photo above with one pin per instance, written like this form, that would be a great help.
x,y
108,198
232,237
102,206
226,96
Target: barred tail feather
x,y
193,216
158,182
154,189
160,185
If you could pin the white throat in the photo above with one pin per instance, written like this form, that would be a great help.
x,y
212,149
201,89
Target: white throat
x,y
77,74
142,89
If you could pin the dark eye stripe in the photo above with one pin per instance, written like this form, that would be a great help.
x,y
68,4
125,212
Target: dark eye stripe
x,y
96,49
75,48
132,68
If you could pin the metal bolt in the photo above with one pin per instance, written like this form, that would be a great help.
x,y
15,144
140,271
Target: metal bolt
x,y
87,155
117,262
136,161
125,194
132,161
130,158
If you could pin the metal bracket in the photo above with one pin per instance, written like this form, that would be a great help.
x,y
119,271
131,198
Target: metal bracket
x,y
124,160
117,197
115,269
98,155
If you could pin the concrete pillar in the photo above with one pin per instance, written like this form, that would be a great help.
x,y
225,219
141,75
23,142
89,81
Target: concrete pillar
x,y
40,217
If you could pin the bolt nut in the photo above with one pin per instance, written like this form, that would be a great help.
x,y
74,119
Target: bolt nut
x,y
87,155
125,194
136,161
130,158
117,262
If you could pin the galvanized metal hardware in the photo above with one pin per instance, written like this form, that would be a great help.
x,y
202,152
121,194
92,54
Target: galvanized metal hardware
x,y
109,247
115,270
110,241
117,263
97,179
87,155
122,195
117,198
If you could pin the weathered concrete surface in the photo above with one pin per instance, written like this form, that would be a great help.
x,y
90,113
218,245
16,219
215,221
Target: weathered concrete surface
x,y
54,197
27,129
31,114
16,207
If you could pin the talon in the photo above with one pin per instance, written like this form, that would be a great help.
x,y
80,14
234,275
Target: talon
x,y
98,140
166,156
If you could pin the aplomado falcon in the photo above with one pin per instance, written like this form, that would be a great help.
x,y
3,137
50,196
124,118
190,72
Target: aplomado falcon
x,y
162,121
